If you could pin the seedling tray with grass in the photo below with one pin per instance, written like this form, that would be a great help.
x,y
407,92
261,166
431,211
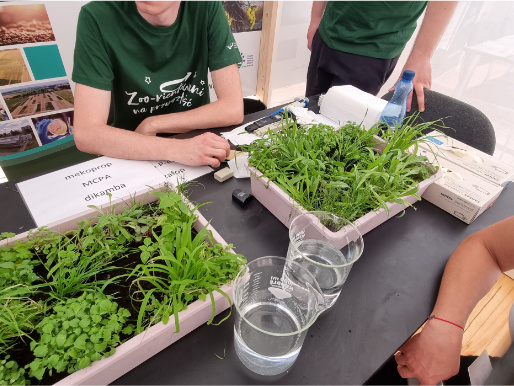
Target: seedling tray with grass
x,y
350,172
148,329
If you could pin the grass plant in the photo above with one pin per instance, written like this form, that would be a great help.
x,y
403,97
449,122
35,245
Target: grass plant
x,y
19,315
179,266
341,171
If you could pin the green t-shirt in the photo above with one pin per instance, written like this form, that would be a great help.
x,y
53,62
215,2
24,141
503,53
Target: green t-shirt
x,y
151,70
378,29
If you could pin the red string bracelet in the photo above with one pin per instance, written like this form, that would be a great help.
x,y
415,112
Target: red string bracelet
x,y
444,320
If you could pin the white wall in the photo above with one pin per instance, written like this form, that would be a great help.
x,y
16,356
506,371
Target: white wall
x,y
63,16
474,62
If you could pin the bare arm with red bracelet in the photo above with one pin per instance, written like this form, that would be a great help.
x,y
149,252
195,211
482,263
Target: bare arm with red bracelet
x,y
474,267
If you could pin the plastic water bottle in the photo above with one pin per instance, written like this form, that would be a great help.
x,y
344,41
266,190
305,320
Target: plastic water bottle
x,y
396,108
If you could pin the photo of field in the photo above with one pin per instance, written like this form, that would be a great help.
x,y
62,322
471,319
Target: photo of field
x,y
39,98
16,136
12,67
53,127
21,24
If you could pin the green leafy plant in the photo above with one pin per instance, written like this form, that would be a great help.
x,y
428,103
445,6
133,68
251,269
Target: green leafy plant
x,y
16,264
11,373
342,171
78,332
179,266
164,263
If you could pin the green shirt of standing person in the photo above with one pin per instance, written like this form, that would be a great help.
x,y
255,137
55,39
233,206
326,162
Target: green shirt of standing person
x,y
359,43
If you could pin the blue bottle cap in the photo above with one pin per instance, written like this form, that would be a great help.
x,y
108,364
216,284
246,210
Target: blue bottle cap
x,y
408,75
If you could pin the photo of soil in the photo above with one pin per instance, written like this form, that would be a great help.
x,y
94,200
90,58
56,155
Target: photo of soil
x,y
21,24
244,16
39,98
12,67
53,127
16,136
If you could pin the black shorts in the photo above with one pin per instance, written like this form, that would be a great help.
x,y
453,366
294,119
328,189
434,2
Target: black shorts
x,y
329,67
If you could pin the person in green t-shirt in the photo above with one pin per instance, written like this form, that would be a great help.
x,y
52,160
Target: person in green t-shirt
x,y
360,42
148,62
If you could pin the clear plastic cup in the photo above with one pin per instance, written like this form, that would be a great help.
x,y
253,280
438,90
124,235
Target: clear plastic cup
x,y
276,301
327,246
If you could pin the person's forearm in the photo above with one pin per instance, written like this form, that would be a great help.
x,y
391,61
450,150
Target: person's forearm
x,y
215,114
116,143
472,270
203,149
437,17
318,8
433,355
468,276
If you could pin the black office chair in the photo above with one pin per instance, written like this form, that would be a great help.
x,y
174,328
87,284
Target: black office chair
x,y
252,105
464,122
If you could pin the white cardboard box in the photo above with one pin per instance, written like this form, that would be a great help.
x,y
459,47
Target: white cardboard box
x,y
470,158
459,192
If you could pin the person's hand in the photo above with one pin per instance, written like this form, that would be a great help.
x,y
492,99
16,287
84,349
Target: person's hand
x,y
422,80
431,356
204,149
313,27
146,126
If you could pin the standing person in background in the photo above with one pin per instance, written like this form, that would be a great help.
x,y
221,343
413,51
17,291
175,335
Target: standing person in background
x,y
360,42
474,267
151,59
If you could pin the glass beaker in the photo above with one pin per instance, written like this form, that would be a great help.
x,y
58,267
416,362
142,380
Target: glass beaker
x,y
276,301
327,245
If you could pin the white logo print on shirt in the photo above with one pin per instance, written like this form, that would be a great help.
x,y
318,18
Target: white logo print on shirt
x,y
173,82
231,45
177,91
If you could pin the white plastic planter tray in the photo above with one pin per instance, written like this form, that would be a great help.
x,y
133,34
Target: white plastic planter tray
x,y
283,207
148,343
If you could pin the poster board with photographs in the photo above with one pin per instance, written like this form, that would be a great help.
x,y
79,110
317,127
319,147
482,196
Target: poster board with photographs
x,y
36,100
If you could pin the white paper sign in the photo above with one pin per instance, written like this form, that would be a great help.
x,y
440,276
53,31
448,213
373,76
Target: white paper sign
x,y
69,191
177,174
249,45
